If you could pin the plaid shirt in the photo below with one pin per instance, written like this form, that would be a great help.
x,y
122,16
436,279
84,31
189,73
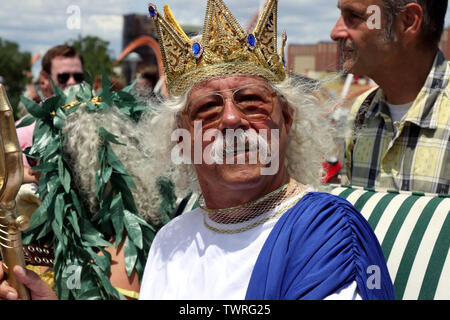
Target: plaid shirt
x,y
416,156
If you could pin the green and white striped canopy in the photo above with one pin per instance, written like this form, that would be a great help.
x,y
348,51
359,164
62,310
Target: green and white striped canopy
x,y
414,232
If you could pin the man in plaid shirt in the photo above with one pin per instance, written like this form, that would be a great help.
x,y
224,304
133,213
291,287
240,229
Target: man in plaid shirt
x,y
399,132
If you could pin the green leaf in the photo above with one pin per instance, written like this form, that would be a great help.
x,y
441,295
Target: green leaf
x,y
102,261
130,255
52,104
114,161
59,120
43,138
72,93
133,228
117,217
44,231
59,210
109,136
73,219
33,108
89,293
91,235
64,175
26,122
105,93
111,291
57,90
76,203
131,86
37,218
129,181
58,232
107,174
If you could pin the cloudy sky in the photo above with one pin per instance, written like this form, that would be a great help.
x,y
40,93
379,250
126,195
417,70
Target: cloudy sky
x,y
40,24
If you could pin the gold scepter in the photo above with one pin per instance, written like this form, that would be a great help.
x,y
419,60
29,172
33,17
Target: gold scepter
x,y
11,177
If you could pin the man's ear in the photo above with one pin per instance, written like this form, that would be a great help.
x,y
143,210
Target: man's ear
x,y
45,84
288,113
180,121
45,77
410,23
180,124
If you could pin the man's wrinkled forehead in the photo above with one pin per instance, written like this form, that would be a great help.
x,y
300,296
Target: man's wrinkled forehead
x,y
66,64
357,4
224,83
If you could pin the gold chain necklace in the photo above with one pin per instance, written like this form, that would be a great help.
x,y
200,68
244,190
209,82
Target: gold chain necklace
x,y
247,214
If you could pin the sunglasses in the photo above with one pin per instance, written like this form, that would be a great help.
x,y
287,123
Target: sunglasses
x,y
64,77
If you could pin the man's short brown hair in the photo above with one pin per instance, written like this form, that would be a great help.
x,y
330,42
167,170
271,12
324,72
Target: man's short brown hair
x,y
59,51
434,12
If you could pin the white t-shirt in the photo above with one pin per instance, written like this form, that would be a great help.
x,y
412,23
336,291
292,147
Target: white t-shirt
x,y
398,111
191,261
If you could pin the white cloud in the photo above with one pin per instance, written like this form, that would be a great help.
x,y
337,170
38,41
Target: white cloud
x,y
37,24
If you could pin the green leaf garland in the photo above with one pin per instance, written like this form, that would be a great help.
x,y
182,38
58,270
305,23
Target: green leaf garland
x,y
62,221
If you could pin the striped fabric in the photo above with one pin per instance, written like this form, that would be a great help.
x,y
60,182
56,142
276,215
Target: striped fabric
x,y
414,232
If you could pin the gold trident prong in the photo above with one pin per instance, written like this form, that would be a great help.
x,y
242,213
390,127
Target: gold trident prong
x,y
11,177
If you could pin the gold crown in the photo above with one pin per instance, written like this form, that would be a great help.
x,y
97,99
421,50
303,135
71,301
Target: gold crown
x,y
223,49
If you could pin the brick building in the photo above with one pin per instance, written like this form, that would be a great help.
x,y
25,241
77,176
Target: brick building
x,y
136,25
322,56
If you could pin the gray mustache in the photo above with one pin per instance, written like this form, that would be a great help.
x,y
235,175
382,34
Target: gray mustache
x,y
239,141
344,45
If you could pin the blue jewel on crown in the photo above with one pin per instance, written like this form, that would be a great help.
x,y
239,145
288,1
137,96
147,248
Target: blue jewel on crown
x,y
152,11
251,41
197,50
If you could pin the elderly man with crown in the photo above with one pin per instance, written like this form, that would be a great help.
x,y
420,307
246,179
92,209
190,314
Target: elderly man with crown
x,y
251,143
239,132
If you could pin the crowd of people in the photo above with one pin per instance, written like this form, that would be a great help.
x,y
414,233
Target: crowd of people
x,y
261,229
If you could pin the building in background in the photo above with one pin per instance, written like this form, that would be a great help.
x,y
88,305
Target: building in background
x,y
136,27
306,58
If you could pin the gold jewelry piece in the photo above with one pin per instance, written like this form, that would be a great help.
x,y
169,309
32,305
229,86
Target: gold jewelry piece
x,y
223,50
202,205
96,101
249,215
252,225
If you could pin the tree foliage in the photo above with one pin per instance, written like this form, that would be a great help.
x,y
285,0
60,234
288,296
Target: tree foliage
x,y
13,67
95,53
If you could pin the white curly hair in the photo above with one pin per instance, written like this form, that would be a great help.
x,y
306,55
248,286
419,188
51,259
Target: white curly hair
x,y
83,143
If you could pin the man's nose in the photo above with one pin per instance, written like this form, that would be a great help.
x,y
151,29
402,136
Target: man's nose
x,y
231,117
339,31
71,81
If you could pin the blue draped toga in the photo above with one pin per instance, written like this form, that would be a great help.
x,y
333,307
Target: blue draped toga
x,y
318,247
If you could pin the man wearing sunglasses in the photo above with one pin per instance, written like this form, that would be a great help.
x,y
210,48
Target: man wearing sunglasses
x,y
64,65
